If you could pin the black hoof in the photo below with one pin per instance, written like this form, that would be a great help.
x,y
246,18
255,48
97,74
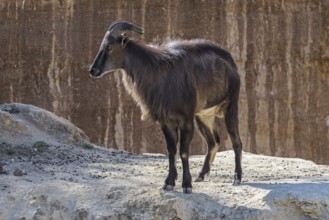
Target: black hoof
x,y
168,187
199,179
237,182
187,190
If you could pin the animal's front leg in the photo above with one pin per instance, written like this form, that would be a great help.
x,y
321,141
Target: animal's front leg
x,y
171,134
186,135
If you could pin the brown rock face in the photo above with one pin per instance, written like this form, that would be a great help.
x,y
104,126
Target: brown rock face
x,y
281,48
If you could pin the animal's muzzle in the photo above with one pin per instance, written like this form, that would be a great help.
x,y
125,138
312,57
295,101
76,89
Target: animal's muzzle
x,y
94,71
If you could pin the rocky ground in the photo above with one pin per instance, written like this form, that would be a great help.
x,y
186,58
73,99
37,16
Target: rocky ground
x,y
43,177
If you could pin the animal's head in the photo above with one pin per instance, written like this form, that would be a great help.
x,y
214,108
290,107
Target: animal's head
x,y
111,52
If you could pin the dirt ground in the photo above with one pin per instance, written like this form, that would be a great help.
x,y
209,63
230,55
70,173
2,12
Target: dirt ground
x,y
90,182
49,170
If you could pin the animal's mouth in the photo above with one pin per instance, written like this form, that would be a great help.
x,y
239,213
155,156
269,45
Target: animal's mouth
x,y
99,74
95,72
95,76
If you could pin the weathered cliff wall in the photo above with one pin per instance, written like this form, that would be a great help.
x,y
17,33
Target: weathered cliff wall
x,y
281,48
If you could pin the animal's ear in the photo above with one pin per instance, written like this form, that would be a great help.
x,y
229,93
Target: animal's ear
x,y
124,40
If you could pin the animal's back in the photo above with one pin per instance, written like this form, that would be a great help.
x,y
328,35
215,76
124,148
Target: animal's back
x,y
210,68
199,47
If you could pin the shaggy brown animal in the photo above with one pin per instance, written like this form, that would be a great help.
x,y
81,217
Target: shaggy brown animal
x,y
175,83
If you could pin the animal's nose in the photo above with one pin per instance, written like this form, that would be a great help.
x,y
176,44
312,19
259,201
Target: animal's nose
x,y
93,71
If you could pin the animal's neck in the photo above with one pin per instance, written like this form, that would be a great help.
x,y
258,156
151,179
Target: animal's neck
x,y
143,78
140,57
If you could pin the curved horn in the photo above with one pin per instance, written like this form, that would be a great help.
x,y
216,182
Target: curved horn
x,y
117,27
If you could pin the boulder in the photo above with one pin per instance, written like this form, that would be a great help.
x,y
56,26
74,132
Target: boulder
x,y
22,124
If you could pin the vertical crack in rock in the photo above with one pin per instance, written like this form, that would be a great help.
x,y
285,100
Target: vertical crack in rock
x,y
251,74
119,133
53,73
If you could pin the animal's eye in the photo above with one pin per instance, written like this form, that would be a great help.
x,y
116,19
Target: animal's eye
x,y
109,47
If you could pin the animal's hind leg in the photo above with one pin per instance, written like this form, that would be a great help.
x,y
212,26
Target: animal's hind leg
x,y
205,125
231,120
171,134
